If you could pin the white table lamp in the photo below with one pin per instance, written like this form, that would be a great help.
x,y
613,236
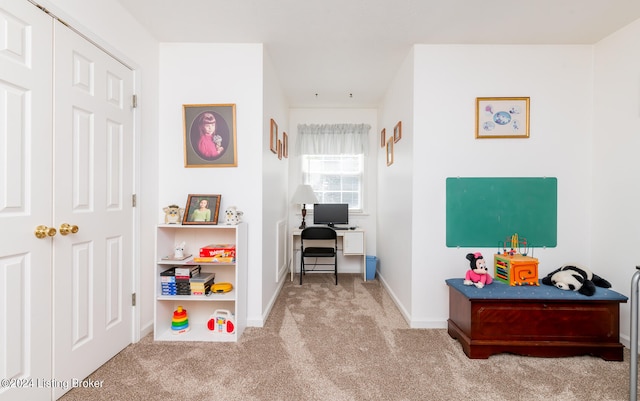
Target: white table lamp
x,y
304,194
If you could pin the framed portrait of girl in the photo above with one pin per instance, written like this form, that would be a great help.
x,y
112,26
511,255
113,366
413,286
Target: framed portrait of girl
x,y
210,135
202,209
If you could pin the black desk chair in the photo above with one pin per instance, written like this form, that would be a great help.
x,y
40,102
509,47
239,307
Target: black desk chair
x,y
311,235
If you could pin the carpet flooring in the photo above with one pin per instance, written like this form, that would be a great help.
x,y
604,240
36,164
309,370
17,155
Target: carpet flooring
x,y
345,342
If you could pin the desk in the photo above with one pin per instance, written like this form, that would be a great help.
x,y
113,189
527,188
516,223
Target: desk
x,y
351,242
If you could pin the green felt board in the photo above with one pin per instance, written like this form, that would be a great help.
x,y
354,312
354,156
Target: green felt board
x,y
481,212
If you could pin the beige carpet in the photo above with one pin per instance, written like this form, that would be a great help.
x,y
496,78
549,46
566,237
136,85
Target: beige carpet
x,y
345,342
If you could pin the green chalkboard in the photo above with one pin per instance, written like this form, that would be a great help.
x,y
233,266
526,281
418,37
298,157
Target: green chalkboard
x,y
481,212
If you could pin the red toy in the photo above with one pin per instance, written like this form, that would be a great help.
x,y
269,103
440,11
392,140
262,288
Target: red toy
x,y
221,322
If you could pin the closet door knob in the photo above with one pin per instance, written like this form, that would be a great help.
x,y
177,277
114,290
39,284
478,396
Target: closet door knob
x,y
44,231
68,229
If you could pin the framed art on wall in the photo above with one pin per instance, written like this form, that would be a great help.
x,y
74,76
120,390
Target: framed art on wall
x,y
390,151
502,117
285,145
202,209
383,139
397,132
273,136
210,135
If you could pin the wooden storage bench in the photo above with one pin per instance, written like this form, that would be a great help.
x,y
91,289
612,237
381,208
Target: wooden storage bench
x,y
541,321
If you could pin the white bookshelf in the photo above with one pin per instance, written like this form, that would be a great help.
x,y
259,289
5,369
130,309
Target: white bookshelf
x,y
200,308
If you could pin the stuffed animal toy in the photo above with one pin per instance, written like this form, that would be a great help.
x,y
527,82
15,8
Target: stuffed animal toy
x,y
233,216
575,278
479,274
178,252
172,214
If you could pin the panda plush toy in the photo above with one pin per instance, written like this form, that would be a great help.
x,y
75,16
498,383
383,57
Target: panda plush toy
x,y
575,278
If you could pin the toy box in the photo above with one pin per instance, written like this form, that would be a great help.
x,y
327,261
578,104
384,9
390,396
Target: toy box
x,y
516,269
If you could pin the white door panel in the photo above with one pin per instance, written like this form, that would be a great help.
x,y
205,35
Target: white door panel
x,y
93,186
25,199
64,299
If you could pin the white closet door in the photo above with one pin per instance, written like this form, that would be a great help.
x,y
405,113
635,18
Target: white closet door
x,y
93,187
25,200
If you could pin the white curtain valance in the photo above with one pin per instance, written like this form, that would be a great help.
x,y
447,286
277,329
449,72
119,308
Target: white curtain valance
x,y
333,139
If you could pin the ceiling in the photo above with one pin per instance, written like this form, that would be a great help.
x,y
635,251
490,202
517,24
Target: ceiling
x,y
344,53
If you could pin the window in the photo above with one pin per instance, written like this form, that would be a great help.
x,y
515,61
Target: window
x,y
333,161
335,178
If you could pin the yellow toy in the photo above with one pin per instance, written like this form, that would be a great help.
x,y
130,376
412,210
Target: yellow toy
x,y
221,287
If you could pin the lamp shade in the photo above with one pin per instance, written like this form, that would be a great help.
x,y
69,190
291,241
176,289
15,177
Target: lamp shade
x,y
304,195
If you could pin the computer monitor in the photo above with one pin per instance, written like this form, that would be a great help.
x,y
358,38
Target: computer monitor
x,y
331,213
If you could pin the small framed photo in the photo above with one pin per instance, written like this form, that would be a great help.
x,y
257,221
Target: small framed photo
x,y
273,136
383,137
389,151
397,132
210,135
202,209
502,117
285,145
279,149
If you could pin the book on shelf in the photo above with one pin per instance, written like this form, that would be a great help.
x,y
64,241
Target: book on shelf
x,y
202,277
214,259
181,271
176,279
174,258
201,283
186,272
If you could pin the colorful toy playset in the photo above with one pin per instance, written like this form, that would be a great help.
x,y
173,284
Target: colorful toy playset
x,y
180,321
513,266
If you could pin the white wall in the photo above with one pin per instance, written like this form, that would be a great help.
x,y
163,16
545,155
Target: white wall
x,y
615,163
396,206
274,197
365,220
559,81
96,20
199,73
585,117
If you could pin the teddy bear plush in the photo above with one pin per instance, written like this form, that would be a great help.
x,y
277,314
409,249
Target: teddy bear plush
x,y
575,278
478,274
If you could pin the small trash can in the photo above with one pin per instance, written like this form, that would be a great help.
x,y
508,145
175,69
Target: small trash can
x,y
372,264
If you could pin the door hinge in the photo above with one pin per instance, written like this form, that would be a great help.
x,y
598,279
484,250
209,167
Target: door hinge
x,y
133,299
134,200
134,101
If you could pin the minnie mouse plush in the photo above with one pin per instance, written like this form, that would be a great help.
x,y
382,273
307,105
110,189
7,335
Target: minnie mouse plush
x,y
479,274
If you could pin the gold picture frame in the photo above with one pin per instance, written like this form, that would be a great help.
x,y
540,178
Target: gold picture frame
x,y
202,209
502,117
383,137
285,145
210,135
397,132
389,151
273,136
